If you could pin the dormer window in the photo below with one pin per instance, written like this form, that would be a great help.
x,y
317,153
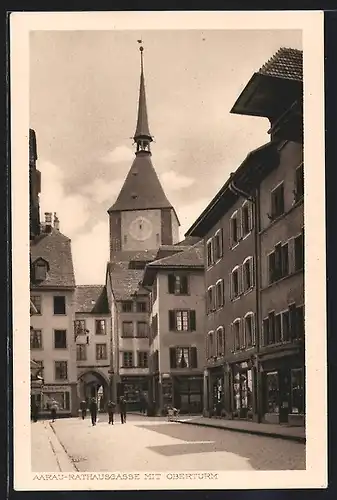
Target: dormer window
x,y
40,269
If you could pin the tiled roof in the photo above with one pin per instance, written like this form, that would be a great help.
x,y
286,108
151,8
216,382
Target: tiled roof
x,y
91,299
286,63
125,283
55,248
141,189
188,241
166,250
127,255
193,257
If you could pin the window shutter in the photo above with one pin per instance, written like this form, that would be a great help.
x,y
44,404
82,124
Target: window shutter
x,y
172,321
173,358
184,284
194,357
272,264
220,249
171,283
250,216
192,321
240,279
292,321
215,248
271,317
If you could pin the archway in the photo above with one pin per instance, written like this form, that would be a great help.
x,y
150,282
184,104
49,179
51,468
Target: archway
x,y
93,384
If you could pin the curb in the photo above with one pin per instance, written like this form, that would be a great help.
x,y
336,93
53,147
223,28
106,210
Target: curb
x,y
64,461
288,437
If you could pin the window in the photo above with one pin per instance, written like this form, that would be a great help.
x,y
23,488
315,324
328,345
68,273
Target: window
x,y
210,351
37,300
35,339
177,284
249,329
182,320
101,351
296,316
247,218
238,341
285,326
211,299
272,396
100,327
41,368
142,329
297,391
269,329
183,357
61,370
235,282
278,262
277,202
248,273
299,183
79,327
141,307
278,328
125,238
59,304
220,342
234,229
60,339
219,293
299,252
40,270
127,359
127,306
218,245
127,329
81,352
143,359
210,256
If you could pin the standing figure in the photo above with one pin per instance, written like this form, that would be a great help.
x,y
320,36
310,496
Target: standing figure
x,y
35,411
122,409
53,409
93,411
83,407
111,411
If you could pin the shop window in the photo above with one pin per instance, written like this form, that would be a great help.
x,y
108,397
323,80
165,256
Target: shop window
x,y
178,284
61,370
182,321
219,293
141,307
218,245
60,339
37,301
272,392
220,342
142,329
210,351
62,399
235,279
127,306
127,329
237,334
35,339
81,352
242,390
210,253
59,304
299,183
143,359
247,218
299,251
101,351
249,329
248,273
297,391
100,327
234,229
277,202
127,359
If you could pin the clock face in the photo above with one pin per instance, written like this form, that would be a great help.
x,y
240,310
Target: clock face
x,y
140,229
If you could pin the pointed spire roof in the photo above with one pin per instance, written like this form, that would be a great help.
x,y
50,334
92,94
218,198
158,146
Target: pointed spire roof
x,y
142,128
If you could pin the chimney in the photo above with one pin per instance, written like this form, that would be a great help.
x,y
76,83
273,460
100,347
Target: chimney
x,y
48,222
56,222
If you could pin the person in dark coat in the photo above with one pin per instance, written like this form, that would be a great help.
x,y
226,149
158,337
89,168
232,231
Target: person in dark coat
x,y
93,411
83,407
122,409
111,411
35,411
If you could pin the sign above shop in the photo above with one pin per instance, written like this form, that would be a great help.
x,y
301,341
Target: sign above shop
x,y
54,388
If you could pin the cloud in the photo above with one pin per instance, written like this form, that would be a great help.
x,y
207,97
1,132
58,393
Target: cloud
x,y
90,254
72,208
174,182
190,212
101,191
119,154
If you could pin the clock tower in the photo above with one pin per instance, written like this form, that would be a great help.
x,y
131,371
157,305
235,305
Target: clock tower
x,y
142,218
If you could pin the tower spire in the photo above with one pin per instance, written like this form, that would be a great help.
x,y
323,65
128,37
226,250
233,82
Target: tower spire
x,y
142,135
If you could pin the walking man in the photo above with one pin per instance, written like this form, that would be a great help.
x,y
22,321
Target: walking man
x,y
111,411
53,409
122,409
93,411
83,407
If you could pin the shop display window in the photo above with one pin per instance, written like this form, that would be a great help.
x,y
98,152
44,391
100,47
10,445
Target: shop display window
x,y
297,391
272,389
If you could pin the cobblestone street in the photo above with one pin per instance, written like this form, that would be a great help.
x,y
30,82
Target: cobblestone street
x,y
154,444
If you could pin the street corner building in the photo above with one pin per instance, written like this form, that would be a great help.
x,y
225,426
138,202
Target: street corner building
x,y
253,232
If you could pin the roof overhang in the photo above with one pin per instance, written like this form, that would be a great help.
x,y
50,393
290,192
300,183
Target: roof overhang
x,y
256,165
290,125
267,96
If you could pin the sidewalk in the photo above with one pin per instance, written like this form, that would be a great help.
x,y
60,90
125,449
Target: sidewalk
x,y
271,430
47,452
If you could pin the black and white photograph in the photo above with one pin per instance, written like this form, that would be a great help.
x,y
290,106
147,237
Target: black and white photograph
x,y
168,207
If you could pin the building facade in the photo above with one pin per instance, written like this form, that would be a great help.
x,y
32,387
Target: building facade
x,y
177,329
52,291
254,241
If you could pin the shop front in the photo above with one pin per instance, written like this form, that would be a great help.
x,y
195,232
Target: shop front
x,y
283,390
45,395
135,391
187,393
242,375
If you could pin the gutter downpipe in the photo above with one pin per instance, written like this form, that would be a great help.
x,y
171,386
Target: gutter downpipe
x,y
255,199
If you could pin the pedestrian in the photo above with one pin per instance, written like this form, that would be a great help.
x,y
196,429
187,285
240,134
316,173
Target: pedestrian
x,y
83,407
53,409
93,411
122,409
35,411
111,411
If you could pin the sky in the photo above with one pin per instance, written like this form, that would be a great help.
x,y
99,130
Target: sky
x,y
83,107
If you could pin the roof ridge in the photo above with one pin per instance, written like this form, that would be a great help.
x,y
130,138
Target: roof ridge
x,y
166,259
